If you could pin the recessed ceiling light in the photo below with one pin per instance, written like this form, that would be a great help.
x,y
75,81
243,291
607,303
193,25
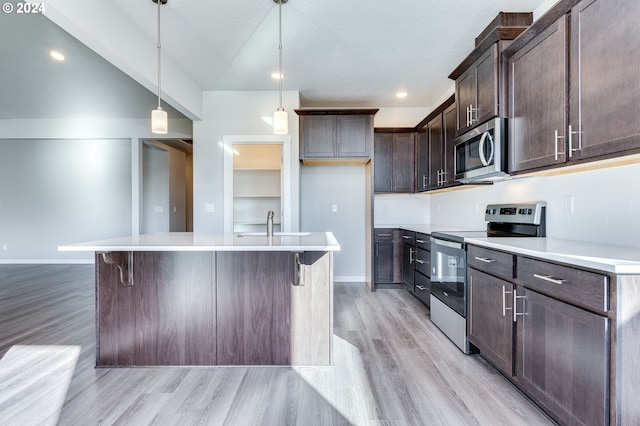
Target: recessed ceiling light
x,y
277,75
401,95
56,55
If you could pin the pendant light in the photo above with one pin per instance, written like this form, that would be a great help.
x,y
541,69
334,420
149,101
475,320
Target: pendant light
x,y
280,116
159,118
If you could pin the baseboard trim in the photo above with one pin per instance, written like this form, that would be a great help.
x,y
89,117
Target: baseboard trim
x,y
349,279
46,261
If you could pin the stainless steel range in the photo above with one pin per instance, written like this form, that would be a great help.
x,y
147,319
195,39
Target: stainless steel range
x,y
449,262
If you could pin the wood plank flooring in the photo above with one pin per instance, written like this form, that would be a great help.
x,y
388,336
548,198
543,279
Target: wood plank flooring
x,y
392,367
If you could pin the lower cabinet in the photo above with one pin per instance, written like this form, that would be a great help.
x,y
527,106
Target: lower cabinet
x,y
544,326
562,358
490,324
408,255
387,267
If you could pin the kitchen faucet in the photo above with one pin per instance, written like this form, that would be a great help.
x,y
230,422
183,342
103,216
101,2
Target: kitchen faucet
x,y
270,223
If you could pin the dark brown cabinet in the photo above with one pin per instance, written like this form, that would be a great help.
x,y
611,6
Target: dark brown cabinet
x,y
336,134
546,326
441,136
477,91
408,256
422,159
394,160
562,358
387,266
573,85
537,80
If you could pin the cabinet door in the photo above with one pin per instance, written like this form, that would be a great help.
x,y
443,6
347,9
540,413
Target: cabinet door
x,y
562,358
490,319
605,65
318,136
465,98
448,139
383,159
408,253
422,159
436,169
538,80
403,162
384,262
354,135
486,68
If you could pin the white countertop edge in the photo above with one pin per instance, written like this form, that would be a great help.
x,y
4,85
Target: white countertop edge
x,y
576,253
316,241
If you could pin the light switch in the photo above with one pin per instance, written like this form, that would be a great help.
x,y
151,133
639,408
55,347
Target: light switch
x,y
4,247
158,209
334,208
209,208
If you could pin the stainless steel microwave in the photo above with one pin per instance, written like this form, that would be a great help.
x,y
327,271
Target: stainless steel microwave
x,y
480,153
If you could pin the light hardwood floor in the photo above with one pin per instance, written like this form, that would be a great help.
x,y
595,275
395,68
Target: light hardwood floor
x,y
392,367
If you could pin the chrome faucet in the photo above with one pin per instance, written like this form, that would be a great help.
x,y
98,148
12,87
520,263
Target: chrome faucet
x,y
270,223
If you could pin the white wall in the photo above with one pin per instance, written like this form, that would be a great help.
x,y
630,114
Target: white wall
x,y
235,113
606,204
401,209
320,188
155,190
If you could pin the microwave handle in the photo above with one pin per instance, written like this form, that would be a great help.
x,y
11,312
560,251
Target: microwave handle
x,y
483,139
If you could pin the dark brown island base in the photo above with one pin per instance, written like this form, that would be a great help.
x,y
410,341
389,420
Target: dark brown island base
x,y
184,299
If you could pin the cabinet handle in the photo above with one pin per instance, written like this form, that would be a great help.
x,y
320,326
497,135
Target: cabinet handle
x,y
299,271
571,150
384,235
410,255
515,306
420,241
467,117
556,144
406,237
424,181
420,261
419,287
471,111
484,259
504,301
550,279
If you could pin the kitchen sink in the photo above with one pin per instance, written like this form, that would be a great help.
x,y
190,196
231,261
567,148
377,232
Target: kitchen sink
x,y
275,234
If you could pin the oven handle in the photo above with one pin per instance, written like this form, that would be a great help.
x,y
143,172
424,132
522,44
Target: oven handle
x,y
483,139
447,243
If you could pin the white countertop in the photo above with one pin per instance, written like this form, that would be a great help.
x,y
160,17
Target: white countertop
x,y
615,259
424,228
228,241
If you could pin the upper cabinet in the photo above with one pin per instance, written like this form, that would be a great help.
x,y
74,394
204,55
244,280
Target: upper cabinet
x,y
394,159
573,85
479,78
336,134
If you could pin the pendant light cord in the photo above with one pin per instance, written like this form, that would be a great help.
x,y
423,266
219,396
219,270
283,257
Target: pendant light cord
x,y
280,48
159,45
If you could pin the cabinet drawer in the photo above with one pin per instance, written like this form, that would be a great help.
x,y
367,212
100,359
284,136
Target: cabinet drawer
x,y
423,261
575,286
423,288
409,237
490,261
423,241
384,234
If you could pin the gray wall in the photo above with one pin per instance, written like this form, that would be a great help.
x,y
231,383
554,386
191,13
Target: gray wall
x,y
320,188
60,191
155,189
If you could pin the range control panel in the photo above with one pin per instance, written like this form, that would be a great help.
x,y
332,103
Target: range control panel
x,y
526,213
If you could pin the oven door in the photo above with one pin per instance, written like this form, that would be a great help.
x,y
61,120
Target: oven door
x,y
479,153
448,274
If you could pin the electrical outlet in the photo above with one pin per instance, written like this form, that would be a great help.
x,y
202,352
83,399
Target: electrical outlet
x,y
568,204
209,208
5,247
158,209
334,208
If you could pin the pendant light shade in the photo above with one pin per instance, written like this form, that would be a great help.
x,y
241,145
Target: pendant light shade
x,y
159,117
159,121
280,116
280,122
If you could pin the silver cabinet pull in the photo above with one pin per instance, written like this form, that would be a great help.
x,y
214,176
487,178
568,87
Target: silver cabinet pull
x,y
410,255
424,181
420,241
384,235
299,271
484,259
556,145
420,261
504,301
515,306
419,287
571,149
549,278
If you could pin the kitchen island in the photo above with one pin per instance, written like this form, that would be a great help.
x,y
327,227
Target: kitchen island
x,y
213,299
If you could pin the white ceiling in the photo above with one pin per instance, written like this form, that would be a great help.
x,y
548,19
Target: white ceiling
x,y
355,53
